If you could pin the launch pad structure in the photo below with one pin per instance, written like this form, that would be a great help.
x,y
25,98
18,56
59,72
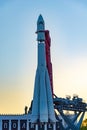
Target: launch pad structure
x,y
47,111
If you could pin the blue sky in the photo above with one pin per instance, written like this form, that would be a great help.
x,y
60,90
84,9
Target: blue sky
x,y
67,22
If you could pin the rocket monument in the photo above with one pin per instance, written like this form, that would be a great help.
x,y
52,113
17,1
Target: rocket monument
x,y
42,107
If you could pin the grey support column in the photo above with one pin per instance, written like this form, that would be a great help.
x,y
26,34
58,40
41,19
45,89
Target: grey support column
x,y
28,125
36,127
54,126
9,124
18,124
1,124
45,127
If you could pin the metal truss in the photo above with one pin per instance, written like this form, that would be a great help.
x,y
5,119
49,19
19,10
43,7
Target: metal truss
x,y
76,105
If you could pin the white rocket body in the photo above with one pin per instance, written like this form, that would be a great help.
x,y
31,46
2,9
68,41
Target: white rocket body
x,y
42,107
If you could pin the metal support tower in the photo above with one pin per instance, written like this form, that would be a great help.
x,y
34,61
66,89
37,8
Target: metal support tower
x,y
75,105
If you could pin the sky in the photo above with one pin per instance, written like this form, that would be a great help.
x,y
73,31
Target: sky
x,y
67,22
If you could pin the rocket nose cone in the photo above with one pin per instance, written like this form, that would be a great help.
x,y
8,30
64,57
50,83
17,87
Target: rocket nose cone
x,y
40,29
40,19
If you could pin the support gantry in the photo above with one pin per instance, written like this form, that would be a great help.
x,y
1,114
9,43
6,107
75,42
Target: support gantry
x,y
75,105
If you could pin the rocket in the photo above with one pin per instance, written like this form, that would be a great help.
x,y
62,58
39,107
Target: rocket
x,y
42,107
